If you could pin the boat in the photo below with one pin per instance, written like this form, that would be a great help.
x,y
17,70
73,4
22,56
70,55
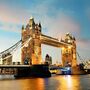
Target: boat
x,y
64,71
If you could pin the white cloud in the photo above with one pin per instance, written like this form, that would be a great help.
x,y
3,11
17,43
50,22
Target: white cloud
x,y
11,15
83,49
55,25
83,43
59,24
11,19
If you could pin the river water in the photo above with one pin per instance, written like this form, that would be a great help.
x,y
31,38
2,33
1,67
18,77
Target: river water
x,y
56,82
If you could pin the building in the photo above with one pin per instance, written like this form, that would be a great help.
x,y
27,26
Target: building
x,y
7,59
48,59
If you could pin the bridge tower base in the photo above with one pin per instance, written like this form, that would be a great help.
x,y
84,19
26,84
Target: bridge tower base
x,y
77,71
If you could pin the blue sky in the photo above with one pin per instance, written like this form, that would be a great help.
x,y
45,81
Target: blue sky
x,y
57,18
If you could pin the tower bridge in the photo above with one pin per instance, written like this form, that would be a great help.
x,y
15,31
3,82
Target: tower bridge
x,y
31,40
33,50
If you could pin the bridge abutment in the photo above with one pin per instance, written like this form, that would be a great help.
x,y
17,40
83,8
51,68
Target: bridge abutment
x,y
38,70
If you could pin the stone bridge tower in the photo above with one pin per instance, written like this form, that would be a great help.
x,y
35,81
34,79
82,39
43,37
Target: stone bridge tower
x,y
31,52
69,51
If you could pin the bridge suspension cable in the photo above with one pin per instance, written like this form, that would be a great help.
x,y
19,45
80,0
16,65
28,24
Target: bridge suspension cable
x,y
7,51
10,51
25,44
82,61
80,57
16,54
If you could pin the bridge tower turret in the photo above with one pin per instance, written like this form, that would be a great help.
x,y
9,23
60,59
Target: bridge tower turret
x,y
69,51
31,51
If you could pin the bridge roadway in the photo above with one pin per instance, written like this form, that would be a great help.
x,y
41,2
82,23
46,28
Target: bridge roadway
x,y
15,70
53,41
15,66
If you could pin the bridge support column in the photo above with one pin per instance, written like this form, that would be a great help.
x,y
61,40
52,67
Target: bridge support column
x,y
74,60
36,55
67,57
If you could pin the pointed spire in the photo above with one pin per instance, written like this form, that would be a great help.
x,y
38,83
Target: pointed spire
x,y
22,27
31,21
39,24
31,17
61,39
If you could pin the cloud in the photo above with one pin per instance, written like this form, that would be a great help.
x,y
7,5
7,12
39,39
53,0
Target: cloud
x,y
11,15
57,24
83,43
62,24
54,22
11,19
83,48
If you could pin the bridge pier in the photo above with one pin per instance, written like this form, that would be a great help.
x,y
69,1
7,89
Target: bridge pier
x,y
7,71
33,71
19,71
77,71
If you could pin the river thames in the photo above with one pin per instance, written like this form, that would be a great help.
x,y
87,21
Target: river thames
x,y
56,82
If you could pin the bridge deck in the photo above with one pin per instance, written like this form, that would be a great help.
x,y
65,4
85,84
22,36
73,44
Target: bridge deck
x,y
14,66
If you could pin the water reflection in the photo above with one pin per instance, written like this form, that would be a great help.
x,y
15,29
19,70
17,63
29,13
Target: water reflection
x,y
32,84
59,82
68,83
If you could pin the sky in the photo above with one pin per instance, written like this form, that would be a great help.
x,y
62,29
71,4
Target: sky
x,y
57,18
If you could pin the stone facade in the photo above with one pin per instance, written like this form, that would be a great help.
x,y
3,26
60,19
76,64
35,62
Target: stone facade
x,y
69,52
32,51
